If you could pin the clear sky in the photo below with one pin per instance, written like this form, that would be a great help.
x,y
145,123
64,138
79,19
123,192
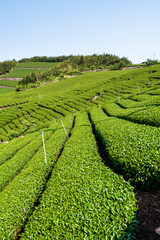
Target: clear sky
x,y
129,28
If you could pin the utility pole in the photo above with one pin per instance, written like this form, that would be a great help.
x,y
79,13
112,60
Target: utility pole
x,y
154,56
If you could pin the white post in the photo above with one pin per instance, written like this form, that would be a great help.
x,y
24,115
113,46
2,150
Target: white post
x,y
55,120
64,128
138,89
44,148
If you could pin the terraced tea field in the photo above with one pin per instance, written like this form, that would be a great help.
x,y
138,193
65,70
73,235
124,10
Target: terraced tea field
x,y
9,81
6,90
101,133
21,73
42,65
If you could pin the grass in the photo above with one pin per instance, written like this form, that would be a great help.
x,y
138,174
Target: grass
x,y
6,90
21,73
36,65
8,83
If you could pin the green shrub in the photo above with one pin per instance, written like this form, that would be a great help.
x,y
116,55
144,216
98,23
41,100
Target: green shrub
x,y
20,195
130,149
151,62
83,199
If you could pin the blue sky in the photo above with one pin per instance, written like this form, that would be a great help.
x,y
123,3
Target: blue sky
x,y
63,27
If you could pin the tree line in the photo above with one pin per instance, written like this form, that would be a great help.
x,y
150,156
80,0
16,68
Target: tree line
x,y
6,66
45,59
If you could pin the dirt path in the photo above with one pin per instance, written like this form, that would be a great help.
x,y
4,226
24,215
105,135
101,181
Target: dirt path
x,y
4,107
7,87
148,214
109,69
95,97
11,79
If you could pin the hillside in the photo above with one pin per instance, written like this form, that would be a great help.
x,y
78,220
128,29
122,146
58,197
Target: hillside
x,y
101,133
9,81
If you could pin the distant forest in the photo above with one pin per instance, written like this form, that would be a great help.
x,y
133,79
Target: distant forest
x,y
45,59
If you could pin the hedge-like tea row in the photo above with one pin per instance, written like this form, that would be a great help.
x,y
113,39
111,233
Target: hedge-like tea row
x,y
16,123
5,119
3,138
11,167
49,111
15,163
19,196
67,108
45,114
11,102
74,106
80,104
83,199
7,128
148,115
156,91
2,146
87,103
14,146
133,149
140,97
16,120
37,116
128,103
50,107
60,110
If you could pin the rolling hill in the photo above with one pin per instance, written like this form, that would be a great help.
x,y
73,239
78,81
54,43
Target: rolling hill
x,y
101,140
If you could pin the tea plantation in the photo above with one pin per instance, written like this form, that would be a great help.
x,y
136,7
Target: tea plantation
x,y
9,81
77,192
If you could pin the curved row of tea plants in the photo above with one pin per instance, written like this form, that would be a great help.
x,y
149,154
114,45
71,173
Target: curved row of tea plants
x,y
133,149
84,199
129,103
34,106
14,165
14,146
146,115
20,195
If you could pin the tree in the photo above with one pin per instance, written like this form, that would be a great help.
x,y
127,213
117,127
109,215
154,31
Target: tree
x,y
151,62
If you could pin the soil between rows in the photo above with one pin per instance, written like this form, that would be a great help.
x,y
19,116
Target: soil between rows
x,y
7,87
148,214
10,78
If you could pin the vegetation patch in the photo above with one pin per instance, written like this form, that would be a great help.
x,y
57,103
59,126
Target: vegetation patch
x,y
130,148
36,65
21,73
126,122
83,199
